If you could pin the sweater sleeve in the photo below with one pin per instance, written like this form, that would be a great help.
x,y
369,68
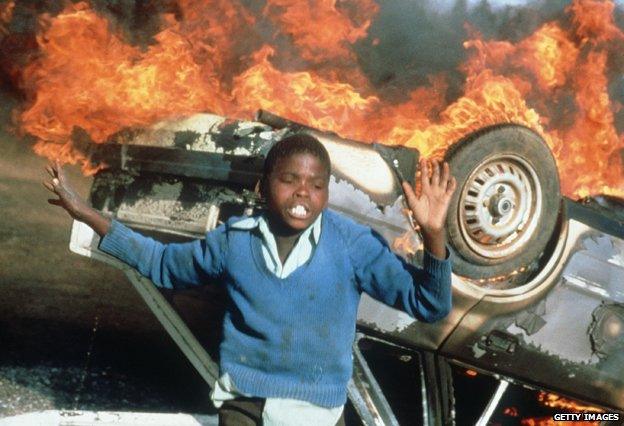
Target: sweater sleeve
x,y
425,293
175,265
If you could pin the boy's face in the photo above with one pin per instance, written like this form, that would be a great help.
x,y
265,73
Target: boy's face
x,y
297,190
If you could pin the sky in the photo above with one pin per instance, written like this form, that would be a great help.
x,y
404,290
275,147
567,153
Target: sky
x,y
520,2
499,3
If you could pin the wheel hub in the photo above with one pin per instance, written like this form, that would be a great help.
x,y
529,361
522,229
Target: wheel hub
x,y
500,205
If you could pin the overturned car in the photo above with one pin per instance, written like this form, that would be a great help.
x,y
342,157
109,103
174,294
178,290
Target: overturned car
x,y
538,284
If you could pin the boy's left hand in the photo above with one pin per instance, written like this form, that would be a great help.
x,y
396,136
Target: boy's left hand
x,y
430,208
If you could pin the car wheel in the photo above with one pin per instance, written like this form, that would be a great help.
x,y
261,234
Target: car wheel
x,y
507,202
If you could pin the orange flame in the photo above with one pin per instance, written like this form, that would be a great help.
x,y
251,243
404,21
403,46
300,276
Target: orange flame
x,y
405,244
593,122
511,412
301,19
549,55
548,421
209,57
594,21
471,373
555,401
317,102
561,404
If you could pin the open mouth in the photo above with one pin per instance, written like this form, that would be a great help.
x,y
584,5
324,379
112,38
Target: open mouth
x,y
299,211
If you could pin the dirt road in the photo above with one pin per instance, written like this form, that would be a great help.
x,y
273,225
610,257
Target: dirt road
x,y
73,333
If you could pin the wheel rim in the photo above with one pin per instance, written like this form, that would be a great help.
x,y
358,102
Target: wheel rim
x,y
500,206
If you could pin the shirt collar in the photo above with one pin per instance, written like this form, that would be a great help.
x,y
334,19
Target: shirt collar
x,y
260,222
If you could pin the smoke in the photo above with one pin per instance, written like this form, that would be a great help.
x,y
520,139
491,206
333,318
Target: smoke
x,y
408,42
137,20
415,39
413,72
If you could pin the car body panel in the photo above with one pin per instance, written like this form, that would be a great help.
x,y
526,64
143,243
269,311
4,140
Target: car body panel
x,y
569,337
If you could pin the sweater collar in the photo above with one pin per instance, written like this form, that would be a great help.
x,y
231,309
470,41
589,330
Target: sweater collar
x,y
262,225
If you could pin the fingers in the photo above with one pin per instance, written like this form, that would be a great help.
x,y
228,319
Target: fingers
x,y
56,172
50,171
412,203
54,166
55,184
436,178
60,173
50,187
435,173
424,174
409,193
444,177
452,184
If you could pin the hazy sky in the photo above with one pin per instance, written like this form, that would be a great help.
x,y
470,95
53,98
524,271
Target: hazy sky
x,y
517,2
497,3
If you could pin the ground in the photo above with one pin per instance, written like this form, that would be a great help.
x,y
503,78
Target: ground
x,y
73,332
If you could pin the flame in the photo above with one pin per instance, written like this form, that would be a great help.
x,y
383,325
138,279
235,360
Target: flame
x,y
500,278
555,401
318,102
511,412
471,373
560,404
301,19
549,55
88,82
548,421
405,244
594,21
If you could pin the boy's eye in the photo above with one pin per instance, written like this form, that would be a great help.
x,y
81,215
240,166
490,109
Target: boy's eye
x,y
320,184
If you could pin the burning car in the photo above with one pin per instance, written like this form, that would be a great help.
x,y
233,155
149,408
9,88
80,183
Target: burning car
x,y
523,101
537,277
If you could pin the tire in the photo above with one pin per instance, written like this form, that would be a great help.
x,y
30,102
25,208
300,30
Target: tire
x,y
507,202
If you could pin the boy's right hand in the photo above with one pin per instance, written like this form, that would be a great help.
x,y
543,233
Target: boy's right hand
x,y
67,197
72,202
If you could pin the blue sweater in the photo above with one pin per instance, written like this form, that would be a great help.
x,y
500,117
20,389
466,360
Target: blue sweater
x,y
291,337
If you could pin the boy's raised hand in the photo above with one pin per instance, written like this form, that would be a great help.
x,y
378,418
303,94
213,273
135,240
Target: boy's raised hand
x,y
429,209
72,202
67,197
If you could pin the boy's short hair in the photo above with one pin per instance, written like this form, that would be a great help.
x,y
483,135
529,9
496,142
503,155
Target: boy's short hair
x,y
298,143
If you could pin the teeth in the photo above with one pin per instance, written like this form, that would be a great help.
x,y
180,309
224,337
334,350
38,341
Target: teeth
x,y
298,211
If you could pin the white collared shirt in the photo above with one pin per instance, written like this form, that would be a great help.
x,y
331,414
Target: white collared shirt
x,y
300,253
281,411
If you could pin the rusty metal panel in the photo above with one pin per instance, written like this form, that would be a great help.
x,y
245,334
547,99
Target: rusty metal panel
x,y
211,147
566,335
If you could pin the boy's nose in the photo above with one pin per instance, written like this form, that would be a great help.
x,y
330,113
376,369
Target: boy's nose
x,y
302,190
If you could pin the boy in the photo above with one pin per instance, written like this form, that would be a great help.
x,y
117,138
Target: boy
x,y
293,276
